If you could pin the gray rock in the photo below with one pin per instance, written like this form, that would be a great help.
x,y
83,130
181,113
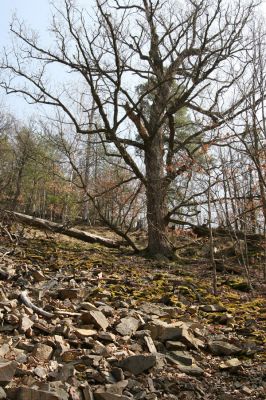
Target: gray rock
x,y
230,364
85,333
117,374
7,371
153,309
4,349
212,308
150,344
107,336
107,310
42,352
38,276
117,388
221,348
193,369
128,326
68,293
87,306
2,394
162,331
87,393
138,363
40,372
182,356
175,345
25,324
96,317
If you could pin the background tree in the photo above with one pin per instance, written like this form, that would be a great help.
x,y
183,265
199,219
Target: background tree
x,y
190,58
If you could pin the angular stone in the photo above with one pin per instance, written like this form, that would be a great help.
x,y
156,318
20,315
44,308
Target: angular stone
x,y
229,364
87,306
118,374
193,369
4,349
247,390
153,309
162,331
66,372
3,395
107,310
150,344
99,349
38,276
182,356
221,348
84,333
117,388
68,293
7,371
87,393
128,326
56,387
96,317
107,336
138,363
40,372
42,352
71,355
175,345
212,308
25,324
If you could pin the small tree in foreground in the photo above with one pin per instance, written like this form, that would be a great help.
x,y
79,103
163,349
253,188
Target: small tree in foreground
x,y
188,55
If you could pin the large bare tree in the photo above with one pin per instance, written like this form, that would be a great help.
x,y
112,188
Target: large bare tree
x,y
186,55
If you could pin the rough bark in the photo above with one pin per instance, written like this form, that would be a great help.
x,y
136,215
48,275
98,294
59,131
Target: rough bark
x,y
156,200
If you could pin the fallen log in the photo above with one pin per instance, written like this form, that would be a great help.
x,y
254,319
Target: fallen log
x,y
44,224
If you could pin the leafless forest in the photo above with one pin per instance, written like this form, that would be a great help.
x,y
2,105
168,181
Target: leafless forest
x,y
148,131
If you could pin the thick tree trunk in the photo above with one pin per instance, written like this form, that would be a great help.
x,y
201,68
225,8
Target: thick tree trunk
x,y
156,200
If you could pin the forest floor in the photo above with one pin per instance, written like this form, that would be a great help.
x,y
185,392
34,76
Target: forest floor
x,y
121,326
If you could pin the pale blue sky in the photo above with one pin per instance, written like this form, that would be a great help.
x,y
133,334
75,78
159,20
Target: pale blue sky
x,y
36,14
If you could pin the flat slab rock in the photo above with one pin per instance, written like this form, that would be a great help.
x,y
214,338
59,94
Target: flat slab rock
x,y
182,356
138,363
128,326
221,348
7,371
192,369
230,364
163,332
96,317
